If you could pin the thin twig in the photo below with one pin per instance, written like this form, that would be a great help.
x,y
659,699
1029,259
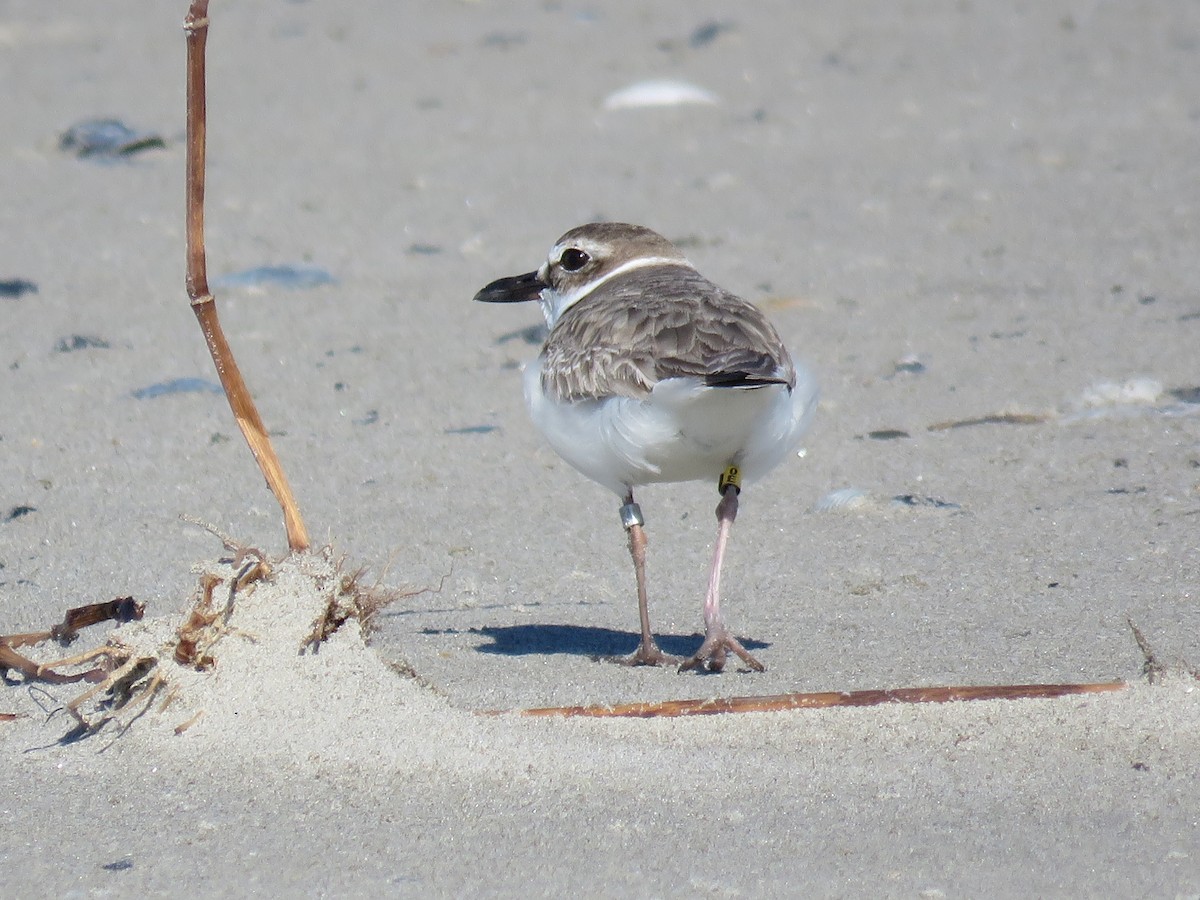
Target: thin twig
x,y
780,702
229,543
184,726
1152,666
205,307
33,671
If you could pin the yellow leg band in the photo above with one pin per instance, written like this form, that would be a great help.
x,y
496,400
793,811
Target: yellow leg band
x,y
732,476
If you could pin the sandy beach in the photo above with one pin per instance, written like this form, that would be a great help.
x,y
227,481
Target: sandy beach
x,y
976,223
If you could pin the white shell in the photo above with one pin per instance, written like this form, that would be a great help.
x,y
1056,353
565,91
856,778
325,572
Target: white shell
x,y
659,92
1138,390
842,500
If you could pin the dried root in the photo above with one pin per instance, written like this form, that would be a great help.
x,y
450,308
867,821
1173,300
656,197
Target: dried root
x,y
122,609
130,680
126,676
350,599
122,676
206,623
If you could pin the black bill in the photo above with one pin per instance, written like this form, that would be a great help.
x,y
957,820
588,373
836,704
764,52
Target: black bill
x,y
515,289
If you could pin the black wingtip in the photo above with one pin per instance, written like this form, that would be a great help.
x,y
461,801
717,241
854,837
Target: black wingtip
x,y
743,380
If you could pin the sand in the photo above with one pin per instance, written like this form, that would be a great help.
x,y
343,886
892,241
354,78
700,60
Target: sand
x,y
951,211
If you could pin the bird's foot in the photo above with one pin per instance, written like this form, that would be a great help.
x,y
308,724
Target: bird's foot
x,y
647,655
711,656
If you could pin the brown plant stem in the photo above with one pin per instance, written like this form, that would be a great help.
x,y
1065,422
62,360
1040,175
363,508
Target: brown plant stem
x,y
122,609
195,27
780,702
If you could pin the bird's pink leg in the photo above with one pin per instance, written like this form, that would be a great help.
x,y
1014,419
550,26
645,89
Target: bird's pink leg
x,y
647,653
718,641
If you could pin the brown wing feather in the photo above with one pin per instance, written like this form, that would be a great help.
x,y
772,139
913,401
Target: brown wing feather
x,y
650,325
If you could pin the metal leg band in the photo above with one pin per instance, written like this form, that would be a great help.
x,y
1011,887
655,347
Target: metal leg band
x,y
631,514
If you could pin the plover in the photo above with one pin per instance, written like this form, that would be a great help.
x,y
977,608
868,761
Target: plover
x,y
652,373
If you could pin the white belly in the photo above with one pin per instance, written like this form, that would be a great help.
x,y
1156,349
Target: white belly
x,y
684,431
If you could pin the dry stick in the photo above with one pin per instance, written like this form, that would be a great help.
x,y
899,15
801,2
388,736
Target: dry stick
x,y
122,609
1152,666
203,304
780,702
33,671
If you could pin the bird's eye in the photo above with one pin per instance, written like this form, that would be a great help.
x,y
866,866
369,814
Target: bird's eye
x,y
573,259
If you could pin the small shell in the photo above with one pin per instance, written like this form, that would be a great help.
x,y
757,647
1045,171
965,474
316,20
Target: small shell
x,y
842,500
659,92
1141,390
910,364
1137,396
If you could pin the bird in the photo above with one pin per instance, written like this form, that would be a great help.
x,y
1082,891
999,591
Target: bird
x,y
652,373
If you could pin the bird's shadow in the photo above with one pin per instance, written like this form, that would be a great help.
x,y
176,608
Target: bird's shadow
x,y
580,640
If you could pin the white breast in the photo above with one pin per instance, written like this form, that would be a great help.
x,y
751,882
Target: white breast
x,y
683,431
